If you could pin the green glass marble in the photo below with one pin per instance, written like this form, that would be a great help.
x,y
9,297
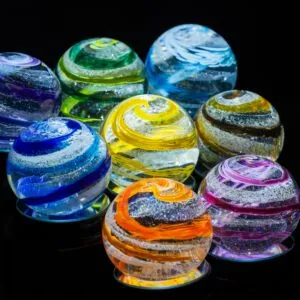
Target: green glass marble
x,y
96,74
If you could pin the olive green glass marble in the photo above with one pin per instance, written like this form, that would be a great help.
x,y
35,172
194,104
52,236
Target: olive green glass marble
x,y
96,74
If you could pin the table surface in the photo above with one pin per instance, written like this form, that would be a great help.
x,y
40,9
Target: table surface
x,y
69,260
40,261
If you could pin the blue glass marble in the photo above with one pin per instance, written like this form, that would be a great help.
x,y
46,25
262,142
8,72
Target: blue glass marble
x,y
189,64
58,167
29,91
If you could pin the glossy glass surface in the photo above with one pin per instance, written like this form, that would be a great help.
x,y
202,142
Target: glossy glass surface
x,y
155,230
150,136
29,91
58,167
190,63
96,74
237,122
253,203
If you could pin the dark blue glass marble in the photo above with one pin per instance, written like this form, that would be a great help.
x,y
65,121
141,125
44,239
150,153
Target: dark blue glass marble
x,y
58,166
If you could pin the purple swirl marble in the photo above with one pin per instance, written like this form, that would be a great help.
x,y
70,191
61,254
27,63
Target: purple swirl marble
x,y
253,202
29,91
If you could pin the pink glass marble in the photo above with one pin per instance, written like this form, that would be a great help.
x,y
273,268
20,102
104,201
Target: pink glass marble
x,y
254,205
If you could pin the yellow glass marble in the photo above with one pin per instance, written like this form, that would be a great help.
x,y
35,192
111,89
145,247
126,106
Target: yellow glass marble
x,y
237,122
150,136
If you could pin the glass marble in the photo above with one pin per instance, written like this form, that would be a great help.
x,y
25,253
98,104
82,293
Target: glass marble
x,y
254,205
150,136
29,91
190,63
157,232
237,122
58,167
96,74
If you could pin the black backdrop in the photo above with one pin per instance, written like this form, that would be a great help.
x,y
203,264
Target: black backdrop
x,y
37,261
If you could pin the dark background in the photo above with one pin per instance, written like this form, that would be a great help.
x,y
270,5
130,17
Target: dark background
x,y
39,261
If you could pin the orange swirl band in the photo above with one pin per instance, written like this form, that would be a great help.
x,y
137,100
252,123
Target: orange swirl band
x,y
161,189
136,251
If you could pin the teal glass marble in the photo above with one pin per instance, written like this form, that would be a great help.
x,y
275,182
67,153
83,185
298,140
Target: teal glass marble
x,y
96,74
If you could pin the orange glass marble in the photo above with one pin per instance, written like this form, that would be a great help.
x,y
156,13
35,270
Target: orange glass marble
x,y
157,233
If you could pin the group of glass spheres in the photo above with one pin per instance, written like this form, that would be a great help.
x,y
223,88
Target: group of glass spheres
x,y
157,231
